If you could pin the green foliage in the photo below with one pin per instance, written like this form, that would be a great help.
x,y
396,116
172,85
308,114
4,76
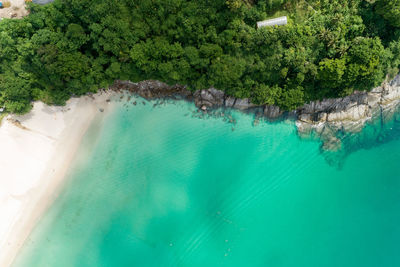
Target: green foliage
x,y
365,63
265,95
2,116
15,93
291,98
329,48
331,72
390,10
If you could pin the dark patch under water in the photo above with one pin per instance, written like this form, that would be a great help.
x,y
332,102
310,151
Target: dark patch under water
x,y
384,129
159,187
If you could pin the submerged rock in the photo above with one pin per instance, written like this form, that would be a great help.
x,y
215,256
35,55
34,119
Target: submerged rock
x,y
211,98
152,89
272,112
243,104
348,113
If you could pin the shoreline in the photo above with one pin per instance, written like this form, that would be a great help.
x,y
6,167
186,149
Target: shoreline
x,y
327,118
35,140
37,150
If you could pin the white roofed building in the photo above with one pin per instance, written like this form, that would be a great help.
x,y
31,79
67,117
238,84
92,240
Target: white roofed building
x,y
272,22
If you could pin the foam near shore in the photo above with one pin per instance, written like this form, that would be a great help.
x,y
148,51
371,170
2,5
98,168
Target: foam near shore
x,y
36,150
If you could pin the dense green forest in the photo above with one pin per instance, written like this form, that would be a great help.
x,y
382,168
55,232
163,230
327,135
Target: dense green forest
x,y
71,47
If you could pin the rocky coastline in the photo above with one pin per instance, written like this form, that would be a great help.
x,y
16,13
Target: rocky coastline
x,y
331,118
325,119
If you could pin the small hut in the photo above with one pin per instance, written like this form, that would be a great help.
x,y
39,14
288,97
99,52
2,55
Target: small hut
x,y
42,2
272,22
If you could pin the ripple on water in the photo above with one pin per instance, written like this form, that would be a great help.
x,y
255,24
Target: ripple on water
x,y
161,187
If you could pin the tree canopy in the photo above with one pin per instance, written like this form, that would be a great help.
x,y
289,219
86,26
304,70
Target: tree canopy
x,y
71,47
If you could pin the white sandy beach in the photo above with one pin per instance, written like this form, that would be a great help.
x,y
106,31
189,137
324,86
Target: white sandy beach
x,y
34,158
16,9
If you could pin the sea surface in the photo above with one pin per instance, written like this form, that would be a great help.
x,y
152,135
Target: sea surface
x,y
166,186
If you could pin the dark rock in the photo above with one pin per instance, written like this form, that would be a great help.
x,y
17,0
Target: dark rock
x,y
325,117
395,82
347,114
211,98
272,112
230,101
243,104
151,89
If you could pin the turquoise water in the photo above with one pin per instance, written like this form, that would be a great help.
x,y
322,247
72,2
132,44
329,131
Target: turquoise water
x,y
155,186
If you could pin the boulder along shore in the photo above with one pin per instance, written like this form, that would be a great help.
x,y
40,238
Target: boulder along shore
x,y
325,118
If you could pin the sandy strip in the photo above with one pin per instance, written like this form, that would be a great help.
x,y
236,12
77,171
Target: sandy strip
x,y
35,153
16,9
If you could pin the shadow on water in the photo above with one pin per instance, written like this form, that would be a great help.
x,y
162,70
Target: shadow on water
x,y
382,130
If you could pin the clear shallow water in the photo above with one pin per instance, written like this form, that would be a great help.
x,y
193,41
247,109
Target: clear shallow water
x,y
156,187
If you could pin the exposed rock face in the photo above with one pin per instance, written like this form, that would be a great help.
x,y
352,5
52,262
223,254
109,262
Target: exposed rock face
x,y
326,118
209,98
272,112
151,89
243,104
213,98
348,114
204,99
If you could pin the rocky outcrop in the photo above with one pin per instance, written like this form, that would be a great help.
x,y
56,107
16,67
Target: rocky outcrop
x,y
209,98
272,112
212,98
325,118
329,117
204,99
151,89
